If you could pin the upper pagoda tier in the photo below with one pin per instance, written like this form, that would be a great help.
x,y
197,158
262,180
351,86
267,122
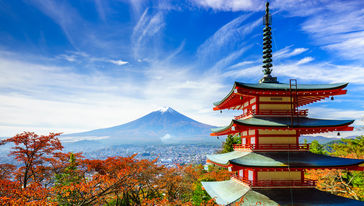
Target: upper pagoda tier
x,y
302,125
279,160
246,95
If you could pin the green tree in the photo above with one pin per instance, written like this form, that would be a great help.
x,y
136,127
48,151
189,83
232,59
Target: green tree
x,y
345,183
66,194
350,148
199,196
228,145
317,148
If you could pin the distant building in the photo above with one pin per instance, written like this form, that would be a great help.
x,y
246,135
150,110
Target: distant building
x,y
268,167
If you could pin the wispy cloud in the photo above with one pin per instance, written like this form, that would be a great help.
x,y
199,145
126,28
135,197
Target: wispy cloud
x,y
231,5
287,52
227,41
145,31
64,100
118,62
305,60
338,28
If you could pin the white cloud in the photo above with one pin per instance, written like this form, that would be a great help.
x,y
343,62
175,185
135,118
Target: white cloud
x,y
287,52
231,5
305,60
43,98
243,63
166,137
149,25
321,72
338,27
227,42
118,62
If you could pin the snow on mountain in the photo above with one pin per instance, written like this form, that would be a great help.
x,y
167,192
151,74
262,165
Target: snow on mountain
x,y
162,126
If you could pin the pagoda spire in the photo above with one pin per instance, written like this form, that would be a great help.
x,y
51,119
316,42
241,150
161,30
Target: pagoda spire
x,y
267,48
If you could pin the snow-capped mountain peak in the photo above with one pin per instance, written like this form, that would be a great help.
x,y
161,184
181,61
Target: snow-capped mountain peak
x,y
165,109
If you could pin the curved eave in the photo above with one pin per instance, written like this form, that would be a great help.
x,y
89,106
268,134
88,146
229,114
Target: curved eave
x,y
231,191
244,89
216,104
305,160
225,158
308,124
300,87
225,192
295,160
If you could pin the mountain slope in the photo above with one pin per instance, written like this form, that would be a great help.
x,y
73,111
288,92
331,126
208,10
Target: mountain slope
x,y
162,126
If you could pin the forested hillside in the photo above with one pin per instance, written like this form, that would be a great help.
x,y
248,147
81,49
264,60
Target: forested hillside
x,y
48,176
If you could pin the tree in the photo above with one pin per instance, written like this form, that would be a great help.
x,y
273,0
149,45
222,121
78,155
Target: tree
x,y
228,145
33,151
341,182
317,148
350,148
66,181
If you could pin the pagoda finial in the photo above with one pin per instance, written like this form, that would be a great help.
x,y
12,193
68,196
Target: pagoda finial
x,y
267,48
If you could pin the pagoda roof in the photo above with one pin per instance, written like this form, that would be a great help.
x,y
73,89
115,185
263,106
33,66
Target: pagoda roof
x,y
239,89
225,192
281,159
279,122
281,86
231,191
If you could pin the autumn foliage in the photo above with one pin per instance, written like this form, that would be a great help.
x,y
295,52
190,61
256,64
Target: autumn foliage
x,y
47,176
344,183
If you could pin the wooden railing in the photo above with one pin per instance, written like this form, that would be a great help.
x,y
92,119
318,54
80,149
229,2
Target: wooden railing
x,y
301,113
273,147
276,183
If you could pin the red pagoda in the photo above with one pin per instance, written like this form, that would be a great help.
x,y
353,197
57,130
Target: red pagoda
x,y
268,166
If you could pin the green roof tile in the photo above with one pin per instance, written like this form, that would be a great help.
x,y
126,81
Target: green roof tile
x,y
224,158
300,122
227,192
280,86
281,159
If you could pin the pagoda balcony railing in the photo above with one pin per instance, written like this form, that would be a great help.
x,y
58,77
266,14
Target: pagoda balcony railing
x,y
272,147
276,183
299,112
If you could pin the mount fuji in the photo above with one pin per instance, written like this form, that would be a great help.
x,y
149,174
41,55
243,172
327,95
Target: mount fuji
x,y
165,126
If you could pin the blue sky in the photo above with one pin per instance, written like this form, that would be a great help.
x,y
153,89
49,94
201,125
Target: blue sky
x,y
70,66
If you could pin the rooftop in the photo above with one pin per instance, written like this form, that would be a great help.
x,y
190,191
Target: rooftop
x,y
227,192
278,122
282,159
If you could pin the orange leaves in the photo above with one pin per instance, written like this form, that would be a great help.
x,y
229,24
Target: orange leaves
x,y
11,193
49,177
33,151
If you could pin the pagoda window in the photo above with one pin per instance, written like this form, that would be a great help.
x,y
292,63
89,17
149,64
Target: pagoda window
x,y
251,132
250,175
241,173
243,141
252,140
